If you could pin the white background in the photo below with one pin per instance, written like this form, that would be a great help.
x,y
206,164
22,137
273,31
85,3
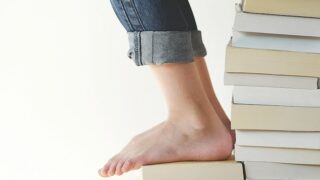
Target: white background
x,y
69,96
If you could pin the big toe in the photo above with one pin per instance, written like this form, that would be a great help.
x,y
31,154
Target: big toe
x,y
104,171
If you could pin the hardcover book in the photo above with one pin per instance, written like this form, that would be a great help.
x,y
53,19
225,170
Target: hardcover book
x,y
304,8
269,80
278,118
276,96
261,61
276,42
282,139
274,24
209,170
269,170
279,155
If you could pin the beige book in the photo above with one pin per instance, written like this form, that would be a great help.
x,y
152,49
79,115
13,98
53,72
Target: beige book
x,y
305,8
197,170
270,170
282,118
261,61
278,155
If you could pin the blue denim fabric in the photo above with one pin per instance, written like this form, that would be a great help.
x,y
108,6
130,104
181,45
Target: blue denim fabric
x,y
160,31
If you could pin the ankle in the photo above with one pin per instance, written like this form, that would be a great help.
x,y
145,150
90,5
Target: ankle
x,y
188,125
197,120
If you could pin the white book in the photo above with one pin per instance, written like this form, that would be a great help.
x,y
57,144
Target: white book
x,y
282,139
269,80
274,24
276,96
268,171
276,42
280,155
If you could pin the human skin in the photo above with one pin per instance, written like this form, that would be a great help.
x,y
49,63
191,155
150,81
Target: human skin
x,y
196,128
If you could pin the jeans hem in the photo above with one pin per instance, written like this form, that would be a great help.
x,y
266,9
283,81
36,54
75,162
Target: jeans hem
x,y
160,47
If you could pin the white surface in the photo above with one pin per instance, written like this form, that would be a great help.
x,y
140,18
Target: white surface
x,y
276,96
283,139
269,80
273,24
264,170
69,96
276,42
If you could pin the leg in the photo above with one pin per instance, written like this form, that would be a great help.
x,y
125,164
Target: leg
x,y
192,131
164,35
206,82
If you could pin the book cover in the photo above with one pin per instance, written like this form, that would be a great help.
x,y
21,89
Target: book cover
x,y
282,139
261,61
269,80
274,24
276,42
276,96
303,8
278,118
279,155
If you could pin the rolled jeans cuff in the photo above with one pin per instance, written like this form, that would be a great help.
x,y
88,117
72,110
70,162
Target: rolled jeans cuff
x,y
159,47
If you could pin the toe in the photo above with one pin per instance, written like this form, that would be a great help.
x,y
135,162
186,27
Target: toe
x,y
118,167
112,168
104,171
128,164
132,164
138,162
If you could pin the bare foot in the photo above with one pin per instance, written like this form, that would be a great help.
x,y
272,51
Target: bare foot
x,y
192,132
171,141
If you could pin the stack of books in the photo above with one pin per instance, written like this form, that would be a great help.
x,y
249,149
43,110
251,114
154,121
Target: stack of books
x,y
273,60
193,170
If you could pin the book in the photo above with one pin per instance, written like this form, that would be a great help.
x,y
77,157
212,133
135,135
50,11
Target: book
x,y
270,170
282,139
274,24
278,118
269,80
279,155
276,42
249,60
304,8
206,170
276,96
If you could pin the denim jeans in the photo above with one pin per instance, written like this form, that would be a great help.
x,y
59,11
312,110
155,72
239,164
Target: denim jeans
x,y
160,31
